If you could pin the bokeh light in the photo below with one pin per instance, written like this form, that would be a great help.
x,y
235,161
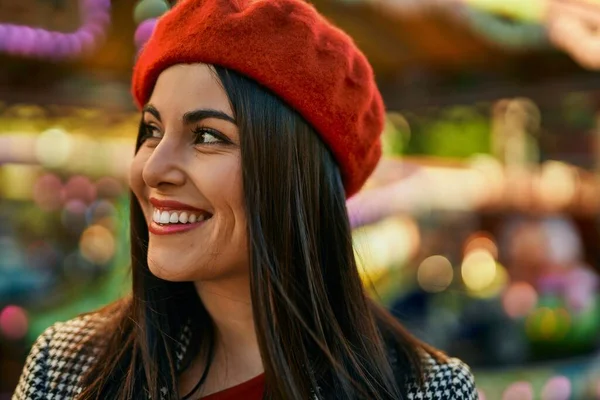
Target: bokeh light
x,y
97,244
435,274
557,185
53,148
73,215
518,391
483,241
100,210
80,187
478,269
47,192
557,388
387,244
495,178
14,322
17,181
546,324
519,299
108,188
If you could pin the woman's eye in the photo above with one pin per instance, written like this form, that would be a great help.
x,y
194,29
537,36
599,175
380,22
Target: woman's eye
x,y
207,136
151,132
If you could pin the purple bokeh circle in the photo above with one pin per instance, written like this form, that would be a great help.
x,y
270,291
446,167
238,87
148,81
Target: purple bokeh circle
x,y
144,31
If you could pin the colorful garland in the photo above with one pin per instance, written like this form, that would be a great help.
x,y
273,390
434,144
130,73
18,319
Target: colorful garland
x,y
512,34
146,14
26,41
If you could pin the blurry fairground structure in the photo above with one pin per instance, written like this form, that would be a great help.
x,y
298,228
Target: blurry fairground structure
x,y
479,229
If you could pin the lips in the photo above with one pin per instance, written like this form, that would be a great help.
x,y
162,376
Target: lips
x,y
171,216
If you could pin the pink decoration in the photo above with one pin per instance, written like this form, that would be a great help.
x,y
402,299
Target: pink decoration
x,y
28,41
86,39
39,43
144,31
43,44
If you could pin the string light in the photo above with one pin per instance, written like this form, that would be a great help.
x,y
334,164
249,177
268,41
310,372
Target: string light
x,y
25,41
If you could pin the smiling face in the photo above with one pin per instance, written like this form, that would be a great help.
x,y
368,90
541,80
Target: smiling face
x,y
187,178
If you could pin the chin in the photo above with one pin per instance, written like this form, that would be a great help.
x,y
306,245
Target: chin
x,y
171,266
166,273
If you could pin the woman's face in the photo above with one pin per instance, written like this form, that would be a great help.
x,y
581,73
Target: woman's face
x,y
187,178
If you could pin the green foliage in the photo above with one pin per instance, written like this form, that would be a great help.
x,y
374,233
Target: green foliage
x,y
457,132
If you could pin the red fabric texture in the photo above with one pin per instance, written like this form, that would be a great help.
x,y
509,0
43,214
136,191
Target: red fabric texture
x,y
288,47
250,390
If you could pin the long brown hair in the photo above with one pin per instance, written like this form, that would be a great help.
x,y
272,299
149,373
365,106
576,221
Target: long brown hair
x,y
317,331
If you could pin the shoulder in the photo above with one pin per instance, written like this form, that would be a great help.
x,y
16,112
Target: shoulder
x,y
58,358
444,378
64,339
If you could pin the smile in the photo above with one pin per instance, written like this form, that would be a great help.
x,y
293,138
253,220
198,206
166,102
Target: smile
x,y
170,217
177,217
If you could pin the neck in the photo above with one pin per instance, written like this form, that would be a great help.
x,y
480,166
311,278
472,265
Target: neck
x,y
230,307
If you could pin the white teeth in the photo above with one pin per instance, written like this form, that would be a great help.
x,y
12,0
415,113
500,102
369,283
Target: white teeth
x,y
165,217
176,217
183,218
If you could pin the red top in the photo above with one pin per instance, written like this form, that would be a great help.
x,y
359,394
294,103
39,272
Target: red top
x,y
250,390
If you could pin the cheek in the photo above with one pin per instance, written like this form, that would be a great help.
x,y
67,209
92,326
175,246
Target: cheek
x,y
226,195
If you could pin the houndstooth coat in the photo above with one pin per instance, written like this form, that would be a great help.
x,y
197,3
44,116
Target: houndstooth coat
x,y
54,367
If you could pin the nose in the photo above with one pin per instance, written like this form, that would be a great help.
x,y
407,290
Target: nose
x,y
163,168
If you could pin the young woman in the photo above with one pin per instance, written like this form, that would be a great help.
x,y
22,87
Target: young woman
x,y
258,119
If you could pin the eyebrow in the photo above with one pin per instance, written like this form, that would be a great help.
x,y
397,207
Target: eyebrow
x,y
198,115
149,108
191,117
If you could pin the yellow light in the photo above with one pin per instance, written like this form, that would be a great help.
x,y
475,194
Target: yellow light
x,y
384,245
495,288
481,240
435,274
478,269
97,244
557,185
548,323
18,181
495,178
53,148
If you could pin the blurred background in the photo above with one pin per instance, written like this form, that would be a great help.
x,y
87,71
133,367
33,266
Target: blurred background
x,y
480,229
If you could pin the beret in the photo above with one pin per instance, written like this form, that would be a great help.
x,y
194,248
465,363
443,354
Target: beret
x,y
289,48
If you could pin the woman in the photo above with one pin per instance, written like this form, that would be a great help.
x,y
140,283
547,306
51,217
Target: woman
x,y
258,119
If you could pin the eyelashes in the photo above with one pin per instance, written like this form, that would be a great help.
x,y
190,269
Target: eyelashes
x,y
148,132
201,135
209,136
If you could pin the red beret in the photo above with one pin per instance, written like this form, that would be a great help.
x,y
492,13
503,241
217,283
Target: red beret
x,y
286,46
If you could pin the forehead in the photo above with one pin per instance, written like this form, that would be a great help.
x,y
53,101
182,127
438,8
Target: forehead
x,y
186,87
